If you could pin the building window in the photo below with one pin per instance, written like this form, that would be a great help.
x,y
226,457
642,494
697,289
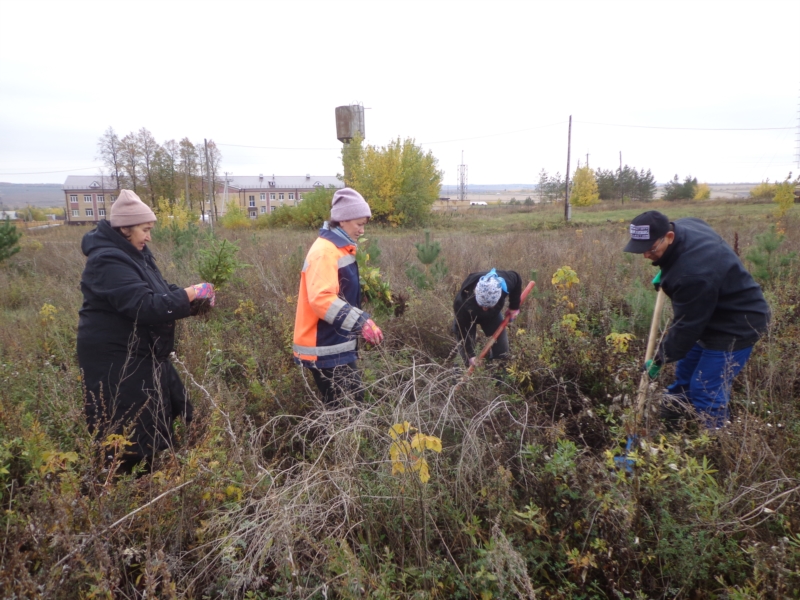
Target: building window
x,y
272,195
291,195
89,212
272,209
252,200
300,195
280,196
101,198
76,212
87,198
263,209
113,197
263,196
101,212
73,198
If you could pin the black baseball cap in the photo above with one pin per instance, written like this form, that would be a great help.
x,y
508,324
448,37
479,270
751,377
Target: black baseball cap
x,y
645,230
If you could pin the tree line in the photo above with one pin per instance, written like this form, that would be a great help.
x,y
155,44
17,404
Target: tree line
x,y
612,184
172,170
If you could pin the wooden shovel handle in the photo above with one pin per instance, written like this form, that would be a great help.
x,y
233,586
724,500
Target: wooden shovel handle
x,y
644,382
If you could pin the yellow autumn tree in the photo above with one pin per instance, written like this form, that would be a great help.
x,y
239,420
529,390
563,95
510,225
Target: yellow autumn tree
x,y
784,198
399,181
702,191
584,188
764,190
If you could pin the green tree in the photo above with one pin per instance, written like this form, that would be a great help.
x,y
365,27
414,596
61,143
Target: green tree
x,y
400,181
435,268
768,263
9,236
584,188
675,190
607,187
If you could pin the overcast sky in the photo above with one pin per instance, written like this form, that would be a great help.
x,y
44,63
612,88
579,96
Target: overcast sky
x,y
675,86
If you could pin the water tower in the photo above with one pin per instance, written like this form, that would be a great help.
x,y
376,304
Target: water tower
x,y
349,122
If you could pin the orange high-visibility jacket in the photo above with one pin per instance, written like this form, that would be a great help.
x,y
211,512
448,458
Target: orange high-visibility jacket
x,y
329,316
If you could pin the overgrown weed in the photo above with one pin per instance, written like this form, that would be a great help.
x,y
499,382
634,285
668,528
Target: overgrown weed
x,y
268,495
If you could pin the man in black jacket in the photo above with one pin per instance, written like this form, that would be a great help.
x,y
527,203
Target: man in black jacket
x,y
480,301
719,311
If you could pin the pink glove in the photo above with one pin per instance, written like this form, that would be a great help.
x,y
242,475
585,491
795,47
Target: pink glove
x,y
512,314
372,333
473,362
205,290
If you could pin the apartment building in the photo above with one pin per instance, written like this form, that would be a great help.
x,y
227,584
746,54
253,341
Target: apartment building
x,y
88,198
261,194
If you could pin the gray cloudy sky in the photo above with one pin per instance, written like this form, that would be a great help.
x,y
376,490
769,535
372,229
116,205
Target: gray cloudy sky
x,y
496,79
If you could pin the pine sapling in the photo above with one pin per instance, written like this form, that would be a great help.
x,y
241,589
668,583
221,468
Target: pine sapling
x,y
9,236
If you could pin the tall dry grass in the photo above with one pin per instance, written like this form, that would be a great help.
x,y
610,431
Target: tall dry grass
x,y
270,495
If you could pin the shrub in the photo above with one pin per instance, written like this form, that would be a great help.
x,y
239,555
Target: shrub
x,y
9,236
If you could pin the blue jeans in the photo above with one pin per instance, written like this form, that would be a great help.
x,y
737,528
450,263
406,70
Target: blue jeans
x,y
704,377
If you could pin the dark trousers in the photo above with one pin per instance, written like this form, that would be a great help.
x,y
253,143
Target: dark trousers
x,y
337,383
704,377
466,346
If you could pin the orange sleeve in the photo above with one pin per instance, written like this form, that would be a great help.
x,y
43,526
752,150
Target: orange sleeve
x,y
322,282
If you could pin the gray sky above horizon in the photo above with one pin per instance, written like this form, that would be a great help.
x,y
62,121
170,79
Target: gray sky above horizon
x,y
703,88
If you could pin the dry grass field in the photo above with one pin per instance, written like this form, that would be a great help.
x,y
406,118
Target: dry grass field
x,y
269,495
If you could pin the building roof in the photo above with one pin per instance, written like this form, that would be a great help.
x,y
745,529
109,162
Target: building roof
x,y
251,182
90,182
87,182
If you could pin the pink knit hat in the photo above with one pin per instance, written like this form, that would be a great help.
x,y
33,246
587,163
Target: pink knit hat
x,y
349,205
129,210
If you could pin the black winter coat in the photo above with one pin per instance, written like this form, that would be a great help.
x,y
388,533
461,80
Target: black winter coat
x,y
469,314
715,302
126,333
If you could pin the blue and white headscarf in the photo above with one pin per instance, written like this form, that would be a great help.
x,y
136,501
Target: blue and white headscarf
x,y
489,289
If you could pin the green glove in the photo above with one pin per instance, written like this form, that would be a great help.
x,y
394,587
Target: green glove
x,y
652,369
657,281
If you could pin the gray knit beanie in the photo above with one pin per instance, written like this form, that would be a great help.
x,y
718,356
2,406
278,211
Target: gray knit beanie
x,y
128,210
349,205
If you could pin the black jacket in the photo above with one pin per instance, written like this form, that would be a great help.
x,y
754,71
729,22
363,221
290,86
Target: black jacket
x,y
716,302
126,332
467,311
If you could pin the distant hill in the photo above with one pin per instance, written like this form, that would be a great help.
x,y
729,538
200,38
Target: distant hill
x,y
20,195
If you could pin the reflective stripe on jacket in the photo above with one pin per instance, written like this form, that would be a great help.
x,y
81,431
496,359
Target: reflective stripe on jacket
x,y
329,316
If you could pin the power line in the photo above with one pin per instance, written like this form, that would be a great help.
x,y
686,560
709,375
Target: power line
x,y
271,147
478,137
687,128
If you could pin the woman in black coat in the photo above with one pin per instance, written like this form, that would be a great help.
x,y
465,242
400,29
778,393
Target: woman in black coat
x,y
126,334
480,301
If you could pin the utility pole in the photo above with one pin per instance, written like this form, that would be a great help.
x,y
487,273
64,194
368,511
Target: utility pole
x,y
621,190
587,160
567,207
210,189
